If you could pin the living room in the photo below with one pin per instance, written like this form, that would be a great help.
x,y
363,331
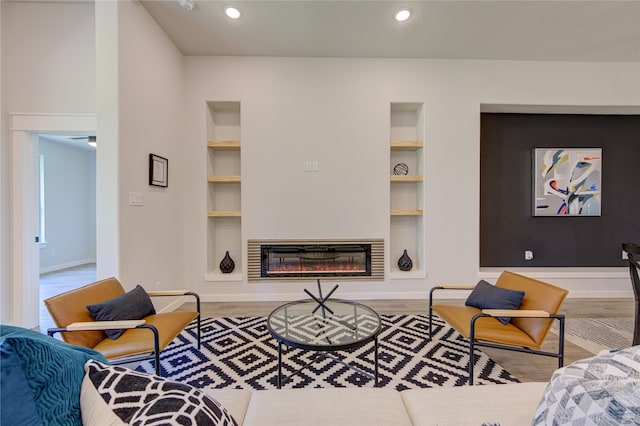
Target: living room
x,y
315,153
332,111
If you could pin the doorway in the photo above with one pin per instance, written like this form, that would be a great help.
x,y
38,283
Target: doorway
x,y
67,199
25,249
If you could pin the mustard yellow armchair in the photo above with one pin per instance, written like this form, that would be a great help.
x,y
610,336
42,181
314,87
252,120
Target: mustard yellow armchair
x,y
528,325
139,338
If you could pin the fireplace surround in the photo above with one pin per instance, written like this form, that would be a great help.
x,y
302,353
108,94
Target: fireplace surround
x,y
361,259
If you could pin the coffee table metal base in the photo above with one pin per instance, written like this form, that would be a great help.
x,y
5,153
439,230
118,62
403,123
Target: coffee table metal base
x,y
324,354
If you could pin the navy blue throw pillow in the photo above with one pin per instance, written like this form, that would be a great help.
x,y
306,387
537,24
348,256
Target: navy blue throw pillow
x,y
133,305
487,296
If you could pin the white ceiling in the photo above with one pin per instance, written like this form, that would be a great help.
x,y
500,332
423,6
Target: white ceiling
x,y
551,30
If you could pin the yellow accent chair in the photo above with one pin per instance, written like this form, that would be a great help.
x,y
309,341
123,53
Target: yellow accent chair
x,y
527,325
140,338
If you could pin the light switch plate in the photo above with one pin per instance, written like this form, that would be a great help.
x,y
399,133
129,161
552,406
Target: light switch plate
x,y
136,199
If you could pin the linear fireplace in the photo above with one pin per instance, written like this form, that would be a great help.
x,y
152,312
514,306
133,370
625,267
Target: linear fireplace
x,y
312,259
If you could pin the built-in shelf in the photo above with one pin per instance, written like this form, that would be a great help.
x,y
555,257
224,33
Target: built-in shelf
x,y
406,178
406,145
224,219
223,179
224,145
223,213
406,192
398,212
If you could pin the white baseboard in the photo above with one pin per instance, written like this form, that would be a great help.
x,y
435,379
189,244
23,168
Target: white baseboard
x,y
62,266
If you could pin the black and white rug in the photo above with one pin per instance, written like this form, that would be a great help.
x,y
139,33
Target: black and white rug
x,y
240,353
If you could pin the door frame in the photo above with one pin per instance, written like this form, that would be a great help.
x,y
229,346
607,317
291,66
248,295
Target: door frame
x,y
25,258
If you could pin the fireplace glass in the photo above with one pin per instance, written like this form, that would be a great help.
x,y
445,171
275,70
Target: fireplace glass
x,y
315,260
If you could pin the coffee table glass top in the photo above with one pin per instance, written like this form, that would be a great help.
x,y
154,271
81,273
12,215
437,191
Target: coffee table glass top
x,y
341,325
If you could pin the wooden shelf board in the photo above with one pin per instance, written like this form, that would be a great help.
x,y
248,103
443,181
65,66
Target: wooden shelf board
x,y
406,178
397,212
224,145
406,145
223,179
223,213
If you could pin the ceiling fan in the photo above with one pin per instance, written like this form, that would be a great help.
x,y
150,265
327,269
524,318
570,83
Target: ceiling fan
x,y
91,140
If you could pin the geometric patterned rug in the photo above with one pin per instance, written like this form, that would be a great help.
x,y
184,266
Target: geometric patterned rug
x,y
240,353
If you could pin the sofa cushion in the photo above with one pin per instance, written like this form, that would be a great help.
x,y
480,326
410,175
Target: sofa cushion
x,y
54,371
16,399
509,404
603,390
487,296
133,305
322,407
235,401
143,399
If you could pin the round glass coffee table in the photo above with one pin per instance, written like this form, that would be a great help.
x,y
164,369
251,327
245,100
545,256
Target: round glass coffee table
x,y
330,326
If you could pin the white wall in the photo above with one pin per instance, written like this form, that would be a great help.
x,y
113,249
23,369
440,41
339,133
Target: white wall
x,y
48,66
70,198
5,293
150,115
50,57
336,111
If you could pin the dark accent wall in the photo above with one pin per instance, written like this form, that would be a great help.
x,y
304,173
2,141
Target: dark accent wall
x,y
507,224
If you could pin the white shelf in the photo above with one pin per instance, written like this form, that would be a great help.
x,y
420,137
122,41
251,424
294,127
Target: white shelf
x,y
224,220
406,210
408,275
219,276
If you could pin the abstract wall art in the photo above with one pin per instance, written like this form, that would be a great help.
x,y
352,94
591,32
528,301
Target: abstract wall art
x,y
567,182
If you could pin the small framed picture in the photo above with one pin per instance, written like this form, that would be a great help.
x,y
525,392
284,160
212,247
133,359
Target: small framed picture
x,y
158,171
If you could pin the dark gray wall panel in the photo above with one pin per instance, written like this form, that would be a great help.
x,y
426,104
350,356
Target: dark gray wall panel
x,y
507,224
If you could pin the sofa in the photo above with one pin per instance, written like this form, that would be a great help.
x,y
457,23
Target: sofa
x,y
45,381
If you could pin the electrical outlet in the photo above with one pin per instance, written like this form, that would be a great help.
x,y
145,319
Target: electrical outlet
x,y
528,255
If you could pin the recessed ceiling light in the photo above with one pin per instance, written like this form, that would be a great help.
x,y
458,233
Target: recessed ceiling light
x,y
187,4
232,12
402,15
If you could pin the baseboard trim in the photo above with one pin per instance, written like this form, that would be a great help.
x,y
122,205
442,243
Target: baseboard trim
x,y
68,265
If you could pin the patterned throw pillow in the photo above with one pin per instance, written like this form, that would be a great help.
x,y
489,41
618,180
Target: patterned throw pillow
x,y
143,399
601,390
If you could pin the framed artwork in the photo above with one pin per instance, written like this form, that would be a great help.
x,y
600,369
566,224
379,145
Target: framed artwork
x,y
158,171
567,182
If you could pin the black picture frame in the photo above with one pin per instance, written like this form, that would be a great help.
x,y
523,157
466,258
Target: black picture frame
x,y
158,171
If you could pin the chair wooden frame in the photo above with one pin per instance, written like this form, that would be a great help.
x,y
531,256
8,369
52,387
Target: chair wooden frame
x,y
633,256
80,321
473,315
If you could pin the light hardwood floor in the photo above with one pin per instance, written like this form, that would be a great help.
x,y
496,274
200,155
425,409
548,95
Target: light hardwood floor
x,y
525,367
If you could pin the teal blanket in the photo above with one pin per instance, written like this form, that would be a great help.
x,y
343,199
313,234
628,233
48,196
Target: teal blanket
x,y
53,370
